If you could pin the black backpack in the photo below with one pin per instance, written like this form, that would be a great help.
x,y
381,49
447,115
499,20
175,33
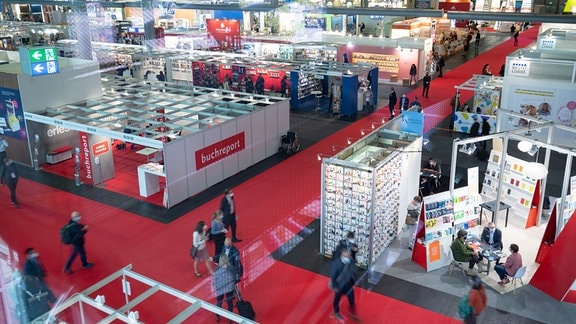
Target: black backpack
x,y
66,235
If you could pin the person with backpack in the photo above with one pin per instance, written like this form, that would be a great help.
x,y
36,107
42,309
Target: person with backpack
x,y
472,304
342,281
73,233
233,255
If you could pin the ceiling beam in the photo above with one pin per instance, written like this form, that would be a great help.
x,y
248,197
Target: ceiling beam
x,y
511,16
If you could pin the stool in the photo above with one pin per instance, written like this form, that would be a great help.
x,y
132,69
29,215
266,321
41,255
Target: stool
x,y
318,95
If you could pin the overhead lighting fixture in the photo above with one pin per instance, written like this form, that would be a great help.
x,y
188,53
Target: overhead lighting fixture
x,y
319,156
533,150
363,131
524,146
535,171
334,147
468,149
350,140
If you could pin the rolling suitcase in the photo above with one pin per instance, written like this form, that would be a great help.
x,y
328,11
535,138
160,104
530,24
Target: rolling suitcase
x,y
245,308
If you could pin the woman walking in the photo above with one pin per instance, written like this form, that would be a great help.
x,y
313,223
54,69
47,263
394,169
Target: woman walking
x,y
199,250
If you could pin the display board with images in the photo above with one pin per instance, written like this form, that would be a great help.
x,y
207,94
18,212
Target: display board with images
x,y
364,201
466,211
517,190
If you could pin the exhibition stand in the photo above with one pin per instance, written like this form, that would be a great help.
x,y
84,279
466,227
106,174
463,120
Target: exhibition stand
x,y
442,215
487,92
340,82
364,188
202,135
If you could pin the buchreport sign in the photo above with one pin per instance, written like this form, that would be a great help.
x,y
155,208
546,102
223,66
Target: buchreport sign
x,y
220,150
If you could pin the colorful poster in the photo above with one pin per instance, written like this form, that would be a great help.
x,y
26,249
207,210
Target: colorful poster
x,y
555,105
224,34
434,251
487,100
11,114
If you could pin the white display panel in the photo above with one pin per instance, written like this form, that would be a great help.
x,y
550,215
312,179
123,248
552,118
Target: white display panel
x,y
230,164
244,124
176,171
272,136
258,137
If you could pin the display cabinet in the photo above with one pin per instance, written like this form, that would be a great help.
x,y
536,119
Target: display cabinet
x,y
518,191
384,62
362,192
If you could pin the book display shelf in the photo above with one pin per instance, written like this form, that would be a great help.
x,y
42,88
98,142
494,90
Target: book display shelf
x,y
361,192
518,191
441,217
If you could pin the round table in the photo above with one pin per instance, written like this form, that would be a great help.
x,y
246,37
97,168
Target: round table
x,y
318,95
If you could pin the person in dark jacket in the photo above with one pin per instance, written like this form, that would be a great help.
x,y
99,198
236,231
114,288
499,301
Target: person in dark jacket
x,y
224,284
284,86
441,64
259,85
11,177
233,255
426,85
392,99
485,131
33,267
475,128
77,232
249,84
492,236
404,102
228,207
413,72
342,280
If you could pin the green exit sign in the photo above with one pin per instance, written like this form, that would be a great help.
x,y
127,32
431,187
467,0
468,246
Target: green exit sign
x,y
42,54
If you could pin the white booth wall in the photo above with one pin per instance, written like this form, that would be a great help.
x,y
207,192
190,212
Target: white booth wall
x,y
262,131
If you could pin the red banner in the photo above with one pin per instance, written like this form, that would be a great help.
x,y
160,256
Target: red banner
x,y
220,150
225,33
85,159
101,148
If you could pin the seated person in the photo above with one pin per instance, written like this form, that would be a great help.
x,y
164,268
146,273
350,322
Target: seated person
x,y
492,236
430,174
463,252
509,269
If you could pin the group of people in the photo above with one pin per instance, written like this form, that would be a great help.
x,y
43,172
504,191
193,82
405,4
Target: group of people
x,y
491,238
226,256
404,103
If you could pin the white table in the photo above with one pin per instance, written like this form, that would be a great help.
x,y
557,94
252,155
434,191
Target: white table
x,y
149,178
147,152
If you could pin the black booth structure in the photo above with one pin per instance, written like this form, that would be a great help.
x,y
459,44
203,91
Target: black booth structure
x,y
340,88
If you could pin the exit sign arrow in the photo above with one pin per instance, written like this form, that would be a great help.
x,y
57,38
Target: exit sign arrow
x,y
37,55
38,68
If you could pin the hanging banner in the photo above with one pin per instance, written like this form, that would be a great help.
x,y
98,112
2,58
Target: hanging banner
x,y
86,170
224,34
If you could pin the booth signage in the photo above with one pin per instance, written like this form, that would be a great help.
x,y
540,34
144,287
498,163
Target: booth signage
x,y
85,158
220,150
548,44
39,60
520,68
101,148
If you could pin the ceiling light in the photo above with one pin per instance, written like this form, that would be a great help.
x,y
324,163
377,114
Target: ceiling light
x,y
524,146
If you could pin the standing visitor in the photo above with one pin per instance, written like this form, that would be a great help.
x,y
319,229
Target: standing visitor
x,y
342,280
475,128
477,40
485,131
218,231
224,284
516,34
441,65
284,86
392,99
412,219
77,231
404,102
413,73
228,208
3,156
426,85
11,178
199,251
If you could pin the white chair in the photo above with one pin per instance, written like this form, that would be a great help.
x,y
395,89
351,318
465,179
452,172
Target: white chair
x,y
518,276
454,263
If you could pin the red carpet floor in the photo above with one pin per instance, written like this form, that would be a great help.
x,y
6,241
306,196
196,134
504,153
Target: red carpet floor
x,y
272,207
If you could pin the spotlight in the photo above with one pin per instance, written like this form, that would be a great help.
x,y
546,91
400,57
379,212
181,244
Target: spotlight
x,y
364,130
533,150
350,140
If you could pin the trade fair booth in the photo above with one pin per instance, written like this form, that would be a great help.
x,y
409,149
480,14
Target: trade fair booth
x,y
347,83
364,188
487,92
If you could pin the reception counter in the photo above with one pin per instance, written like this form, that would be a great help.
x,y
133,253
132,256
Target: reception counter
x,y
149,178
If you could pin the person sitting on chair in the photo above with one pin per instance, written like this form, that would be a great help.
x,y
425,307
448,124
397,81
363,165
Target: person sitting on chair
x,y
430,174
464,253
492,236
509,269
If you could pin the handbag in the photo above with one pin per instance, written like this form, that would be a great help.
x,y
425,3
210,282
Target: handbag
x,y
193,251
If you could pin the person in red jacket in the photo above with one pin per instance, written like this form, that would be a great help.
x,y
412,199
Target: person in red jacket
x,y
476,299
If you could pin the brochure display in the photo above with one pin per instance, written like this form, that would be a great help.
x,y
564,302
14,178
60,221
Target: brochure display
x,y
441,217
518,191
361,192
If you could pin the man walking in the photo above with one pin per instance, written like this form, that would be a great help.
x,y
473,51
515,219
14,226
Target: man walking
x,y
76,233
392,99
516,34
342,280
11,176
426,85
228,207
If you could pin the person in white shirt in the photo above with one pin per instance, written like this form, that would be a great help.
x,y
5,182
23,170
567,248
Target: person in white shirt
x,y
199,251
